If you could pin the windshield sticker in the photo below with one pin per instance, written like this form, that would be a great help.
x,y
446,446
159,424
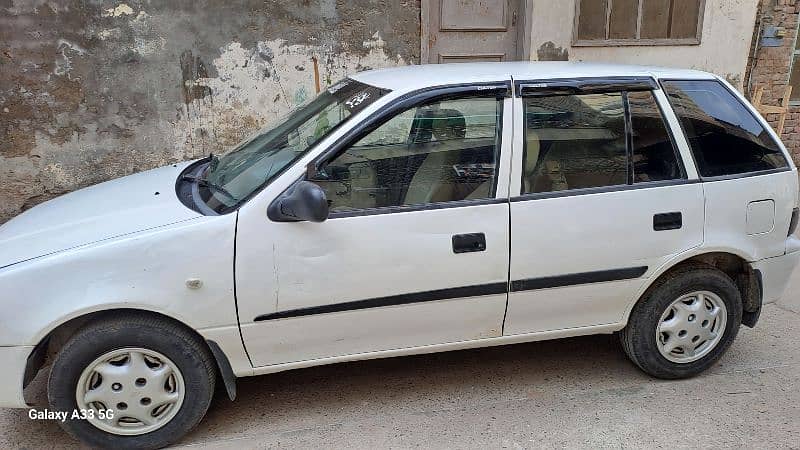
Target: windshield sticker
x,y
357,100
333,89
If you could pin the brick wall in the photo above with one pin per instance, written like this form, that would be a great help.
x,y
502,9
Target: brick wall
x,y
769,67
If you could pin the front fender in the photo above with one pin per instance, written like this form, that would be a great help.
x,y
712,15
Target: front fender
x,y
147,270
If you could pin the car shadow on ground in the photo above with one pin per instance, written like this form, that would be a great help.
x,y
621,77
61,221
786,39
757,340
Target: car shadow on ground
x,y
548,372
319,396
273,406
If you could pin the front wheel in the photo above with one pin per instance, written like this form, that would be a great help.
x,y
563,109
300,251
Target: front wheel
x,y
133,381
684,323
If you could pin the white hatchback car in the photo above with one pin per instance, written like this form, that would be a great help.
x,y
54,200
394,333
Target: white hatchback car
x,y
404,211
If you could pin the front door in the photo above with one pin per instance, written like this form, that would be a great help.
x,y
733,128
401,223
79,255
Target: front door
x,y
416,249
470,30
603,202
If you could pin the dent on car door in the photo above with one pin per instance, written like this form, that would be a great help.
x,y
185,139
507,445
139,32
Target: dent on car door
x,y
415,251
604,199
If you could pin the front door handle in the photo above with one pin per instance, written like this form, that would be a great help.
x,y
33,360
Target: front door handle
x,y
667,221
470,242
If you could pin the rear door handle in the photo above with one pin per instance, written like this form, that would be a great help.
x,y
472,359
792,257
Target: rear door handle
x,y
667,221
470,242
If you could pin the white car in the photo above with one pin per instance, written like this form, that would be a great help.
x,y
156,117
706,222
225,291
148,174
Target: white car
x,y
405,211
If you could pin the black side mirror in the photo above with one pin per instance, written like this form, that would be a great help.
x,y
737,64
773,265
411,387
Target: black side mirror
x,y
304,201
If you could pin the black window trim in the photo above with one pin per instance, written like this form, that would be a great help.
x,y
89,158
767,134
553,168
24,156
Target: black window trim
x,y
499,90
598,85
602,189
420,207
760,120
735,176
583,85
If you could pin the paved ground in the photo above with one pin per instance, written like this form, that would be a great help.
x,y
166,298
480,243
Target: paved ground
x,y
571,393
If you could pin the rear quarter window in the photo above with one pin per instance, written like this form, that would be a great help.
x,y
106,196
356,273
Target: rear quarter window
x,y
725,137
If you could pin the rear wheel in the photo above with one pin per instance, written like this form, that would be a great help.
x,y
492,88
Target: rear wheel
x,y
684,323
135,381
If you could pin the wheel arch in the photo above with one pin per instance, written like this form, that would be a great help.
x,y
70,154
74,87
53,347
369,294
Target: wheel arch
x,y
732,263
57,335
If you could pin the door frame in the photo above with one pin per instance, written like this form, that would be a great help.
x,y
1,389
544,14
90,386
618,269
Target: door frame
x,y
523,31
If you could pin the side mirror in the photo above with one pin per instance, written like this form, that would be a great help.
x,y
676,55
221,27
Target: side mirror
x,y
304,201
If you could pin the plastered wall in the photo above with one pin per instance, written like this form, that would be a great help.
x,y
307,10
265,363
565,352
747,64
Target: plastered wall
x,y
726,36
92,90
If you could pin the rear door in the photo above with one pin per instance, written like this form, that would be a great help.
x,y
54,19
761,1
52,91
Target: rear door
x,y
602,200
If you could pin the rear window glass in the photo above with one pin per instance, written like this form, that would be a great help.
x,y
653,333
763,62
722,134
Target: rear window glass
x,y
574,142
654,156
725,138
579,141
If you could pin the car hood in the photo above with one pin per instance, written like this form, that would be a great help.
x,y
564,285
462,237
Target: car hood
x,y
104,211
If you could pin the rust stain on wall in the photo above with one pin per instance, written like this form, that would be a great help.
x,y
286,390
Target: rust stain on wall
x,y
192,69
549,52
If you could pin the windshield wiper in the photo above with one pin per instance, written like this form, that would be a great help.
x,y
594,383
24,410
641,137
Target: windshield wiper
x,y
207,184
213,161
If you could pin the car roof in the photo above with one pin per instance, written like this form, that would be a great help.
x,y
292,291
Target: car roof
x,y
408,78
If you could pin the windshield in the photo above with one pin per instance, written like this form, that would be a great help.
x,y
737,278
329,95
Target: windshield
x,y
234,177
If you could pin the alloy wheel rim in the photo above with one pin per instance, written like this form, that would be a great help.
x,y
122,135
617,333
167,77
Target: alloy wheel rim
x,y
143,390
691,327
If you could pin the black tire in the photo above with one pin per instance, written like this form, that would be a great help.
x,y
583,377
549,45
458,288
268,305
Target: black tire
x,y
151,332
638,338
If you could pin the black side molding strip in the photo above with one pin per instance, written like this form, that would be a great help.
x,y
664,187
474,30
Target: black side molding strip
x,y
393,300
460,292
578,278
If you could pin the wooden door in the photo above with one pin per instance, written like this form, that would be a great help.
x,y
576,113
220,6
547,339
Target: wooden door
x,y
470,31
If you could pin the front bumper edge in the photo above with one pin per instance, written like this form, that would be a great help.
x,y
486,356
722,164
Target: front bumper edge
x,y
12,371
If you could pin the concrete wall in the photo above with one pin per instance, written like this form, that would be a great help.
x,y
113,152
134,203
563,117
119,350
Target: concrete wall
x,y
93,90
726,37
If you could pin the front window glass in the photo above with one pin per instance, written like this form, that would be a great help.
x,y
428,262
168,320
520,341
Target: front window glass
x,y
442,151
232,178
